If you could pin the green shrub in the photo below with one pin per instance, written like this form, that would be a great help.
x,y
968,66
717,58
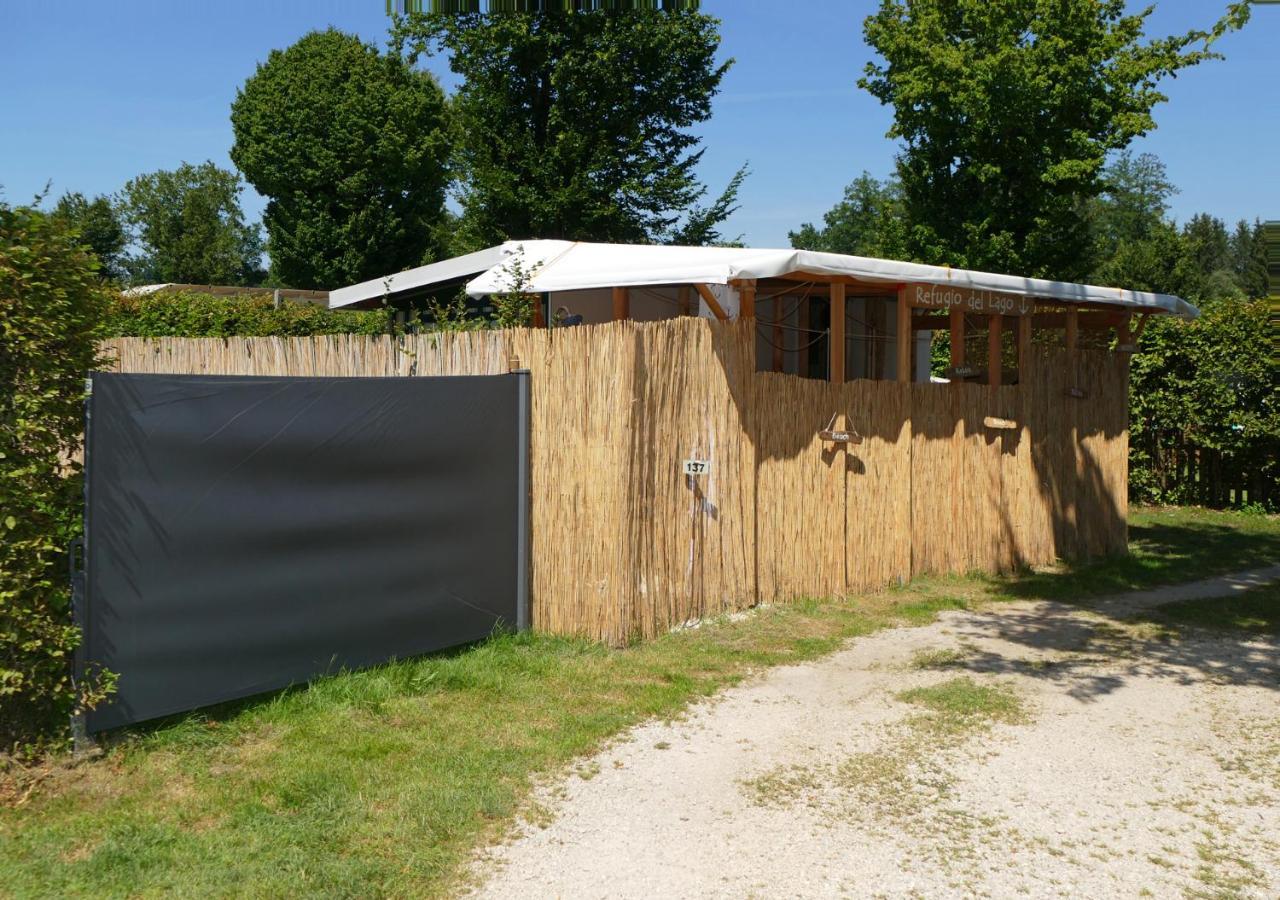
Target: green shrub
x,y
51,307
188,314
1207,384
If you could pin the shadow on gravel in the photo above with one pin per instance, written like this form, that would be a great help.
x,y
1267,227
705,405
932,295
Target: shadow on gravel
x,y
1095,655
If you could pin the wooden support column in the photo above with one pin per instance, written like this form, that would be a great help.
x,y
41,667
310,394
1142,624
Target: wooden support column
x,y
747,300
904,338
995,351
683,299
621,303
1024,347
805,340
957,340
535,301
778,358
1073,332
836,340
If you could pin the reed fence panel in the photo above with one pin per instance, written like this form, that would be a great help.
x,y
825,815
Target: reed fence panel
x,y
626,545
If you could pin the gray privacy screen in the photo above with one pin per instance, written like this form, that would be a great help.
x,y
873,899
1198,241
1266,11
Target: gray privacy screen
x,y
244,534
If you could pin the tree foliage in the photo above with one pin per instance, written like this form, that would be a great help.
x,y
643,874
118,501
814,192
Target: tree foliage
x,y
187,227
577,125
1007,110
350,147
100,228
51,306
868,221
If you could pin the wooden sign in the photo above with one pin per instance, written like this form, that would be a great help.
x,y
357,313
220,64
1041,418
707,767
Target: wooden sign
x,y
999,423
970,300
837,435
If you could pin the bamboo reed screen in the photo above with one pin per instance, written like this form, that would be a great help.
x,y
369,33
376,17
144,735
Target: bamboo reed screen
x,y
626,545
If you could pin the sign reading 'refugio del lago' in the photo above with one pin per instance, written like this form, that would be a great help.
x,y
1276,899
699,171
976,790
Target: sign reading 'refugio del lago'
x,y
971,300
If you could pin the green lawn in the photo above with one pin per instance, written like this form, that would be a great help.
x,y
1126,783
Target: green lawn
x,y
381,782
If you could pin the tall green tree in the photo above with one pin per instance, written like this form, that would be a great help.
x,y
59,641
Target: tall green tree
x,y
1135,200
868,221
578,125
100,228
187,226
350,147
1007,110
1249,258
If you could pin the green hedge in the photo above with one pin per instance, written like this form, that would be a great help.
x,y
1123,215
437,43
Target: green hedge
x,y
187,314
51,307
1209,384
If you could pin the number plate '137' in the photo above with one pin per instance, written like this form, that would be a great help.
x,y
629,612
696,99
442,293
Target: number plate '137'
x,y
697,467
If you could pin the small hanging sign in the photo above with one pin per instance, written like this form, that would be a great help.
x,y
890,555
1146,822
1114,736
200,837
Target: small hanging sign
x,y
830,433
697,467
1000,423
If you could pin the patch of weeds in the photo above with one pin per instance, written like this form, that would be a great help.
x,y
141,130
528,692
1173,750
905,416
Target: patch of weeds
x,y
1224,874
587,770
782,786
1249,747
938,658
961,706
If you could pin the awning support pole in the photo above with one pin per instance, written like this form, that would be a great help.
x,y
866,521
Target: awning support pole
x,y
835,354
904,338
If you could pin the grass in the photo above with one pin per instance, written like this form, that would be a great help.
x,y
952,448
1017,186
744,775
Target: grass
x,y
382,782
1256,611
961,704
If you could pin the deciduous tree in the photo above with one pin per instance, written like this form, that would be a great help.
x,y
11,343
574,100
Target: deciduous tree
x,y
187,226
100,228
350,147
867,222
1008,109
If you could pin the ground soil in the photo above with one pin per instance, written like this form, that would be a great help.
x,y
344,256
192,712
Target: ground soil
x,y
1143,762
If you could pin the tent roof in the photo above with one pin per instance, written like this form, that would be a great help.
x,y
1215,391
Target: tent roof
x,y
566,266
422,277
550,266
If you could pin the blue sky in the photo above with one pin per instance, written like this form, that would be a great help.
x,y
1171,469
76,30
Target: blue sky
x,y
95,93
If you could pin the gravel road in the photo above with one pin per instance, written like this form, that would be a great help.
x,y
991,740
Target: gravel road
x,y
1138,762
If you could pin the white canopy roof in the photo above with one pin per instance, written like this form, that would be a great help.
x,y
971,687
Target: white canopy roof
x,y
566,266
421,277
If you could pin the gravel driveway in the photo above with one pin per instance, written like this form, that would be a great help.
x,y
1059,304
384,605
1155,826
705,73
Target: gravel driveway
x,y
1096,757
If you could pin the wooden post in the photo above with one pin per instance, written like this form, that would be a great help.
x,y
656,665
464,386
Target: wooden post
x,y
621,303
836,341
747,300
1073,331
539,320
995,351
1024,346
904,338
683,299
957,340
778,358
802,363
1124,333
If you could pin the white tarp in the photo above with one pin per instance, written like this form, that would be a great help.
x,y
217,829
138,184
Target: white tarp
x,y
548,266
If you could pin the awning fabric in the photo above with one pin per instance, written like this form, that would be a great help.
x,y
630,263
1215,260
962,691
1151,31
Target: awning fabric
x,y
549,266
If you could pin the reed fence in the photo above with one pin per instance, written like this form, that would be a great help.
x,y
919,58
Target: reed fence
x,y
947,478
